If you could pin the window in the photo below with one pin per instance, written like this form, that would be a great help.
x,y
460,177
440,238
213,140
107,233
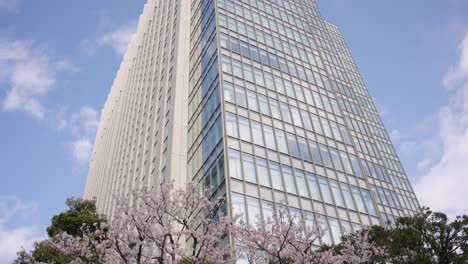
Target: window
x,y
304,149
240,96
357,168
244,128
344,133
326,127
263,105
275,110
335,229
226,64
249,168
316,123
231,125
253,206
262,172
336,159
327,197
248,73
294,148
326,156
313,186
252,100
301,183
369,203
257,133
229,92
280,137
346,163
323,223
337,193
289,179
267,209
315,152
235,45
237,69
296,117
336,131
358,198
235,167
306,119
285,112
238,205
269,137
276,179
259,80
348,197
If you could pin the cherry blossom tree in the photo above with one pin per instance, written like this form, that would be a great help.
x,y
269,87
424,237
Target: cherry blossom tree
x,y
157,226
284,239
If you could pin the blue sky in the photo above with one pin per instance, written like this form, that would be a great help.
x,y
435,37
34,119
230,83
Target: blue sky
x,y
58,60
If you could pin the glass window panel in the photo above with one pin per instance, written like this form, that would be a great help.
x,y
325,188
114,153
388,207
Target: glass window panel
x,y
293,147
235,167
248,73
358,198
306,119
237,69
259,80
262,171
253,205
254,52
235,47
252,100
326,127
257,133
326,156
323,223
335,229
275,110
281,139
315,152
244,128
264,109
336,159
304,149
238,205
269,137
245,49
231,125
346,163
249,168
313,186
344,133
301,183
336,131
296,117
276,179
327,197
267,209
229,92
240,96
337,193
317,100
369,202
285,112
226,64
289,179
316,123
348,197
357,168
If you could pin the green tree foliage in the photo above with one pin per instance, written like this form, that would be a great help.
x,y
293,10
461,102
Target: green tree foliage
x,y
426,238
80,213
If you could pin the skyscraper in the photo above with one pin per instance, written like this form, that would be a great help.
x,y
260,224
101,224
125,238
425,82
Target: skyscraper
x,y
260,100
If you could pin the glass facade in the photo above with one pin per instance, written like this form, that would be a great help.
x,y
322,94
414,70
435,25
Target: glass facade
x,y
301,127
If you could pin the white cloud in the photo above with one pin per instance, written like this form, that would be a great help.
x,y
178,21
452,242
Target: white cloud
x,y
117,39
9,5
30,73
443,188
84,124
14,238
82,150
459,72
424,164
